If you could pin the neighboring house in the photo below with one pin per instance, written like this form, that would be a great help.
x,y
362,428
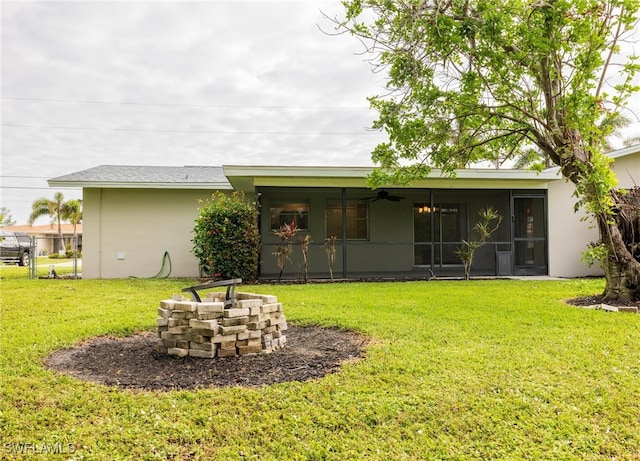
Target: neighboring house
x,y
133,214
47,234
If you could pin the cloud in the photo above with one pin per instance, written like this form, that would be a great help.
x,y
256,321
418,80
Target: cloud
x,y
174,83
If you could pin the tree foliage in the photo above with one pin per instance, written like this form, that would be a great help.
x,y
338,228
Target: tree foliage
x,y
58,210
227,240
473,80
6,219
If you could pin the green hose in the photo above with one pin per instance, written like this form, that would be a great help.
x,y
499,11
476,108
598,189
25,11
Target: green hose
x,y
165,258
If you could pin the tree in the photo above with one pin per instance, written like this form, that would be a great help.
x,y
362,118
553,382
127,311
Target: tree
x,y
613,123
6,219
74,215
472,80
57,209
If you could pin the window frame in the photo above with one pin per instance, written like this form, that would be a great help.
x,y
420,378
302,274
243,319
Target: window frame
x,y
354,221
302,213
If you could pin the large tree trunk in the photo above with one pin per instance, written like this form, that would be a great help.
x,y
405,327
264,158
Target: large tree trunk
x,y
620,234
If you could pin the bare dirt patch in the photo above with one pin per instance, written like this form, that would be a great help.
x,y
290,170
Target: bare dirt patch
x,y
592,300
134,363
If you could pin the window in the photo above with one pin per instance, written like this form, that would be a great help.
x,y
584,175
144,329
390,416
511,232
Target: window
x,y
357,213
285,212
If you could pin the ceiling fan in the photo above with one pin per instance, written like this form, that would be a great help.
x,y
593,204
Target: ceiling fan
x,y
384,195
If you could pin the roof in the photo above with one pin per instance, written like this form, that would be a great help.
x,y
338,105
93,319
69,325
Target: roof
x,y
614,155
46,229
624,151
246,178
164,177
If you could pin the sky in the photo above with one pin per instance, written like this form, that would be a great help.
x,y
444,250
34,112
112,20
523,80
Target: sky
x,y
175,83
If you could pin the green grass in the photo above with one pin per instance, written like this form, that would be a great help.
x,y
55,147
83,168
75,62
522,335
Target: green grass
x,y
455,370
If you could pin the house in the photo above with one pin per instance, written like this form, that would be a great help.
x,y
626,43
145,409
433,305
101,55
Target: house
x,y
134,214
46,235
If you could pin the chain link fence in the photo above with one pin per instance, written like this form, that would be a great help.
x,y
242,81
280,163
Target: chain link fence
x,y
45,262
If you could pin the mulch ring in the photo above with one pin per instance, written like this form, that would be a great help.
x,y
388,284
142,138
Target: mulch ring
x,y
596,302
134,363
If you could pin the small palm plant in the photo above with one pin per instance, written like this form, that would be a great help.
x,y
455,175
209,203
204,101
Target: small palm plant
x,y
489,222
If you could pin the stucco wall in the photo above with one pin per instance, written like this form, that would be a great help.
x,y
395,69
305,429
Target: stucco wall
x,y
627,170
127,231
568,235
141,224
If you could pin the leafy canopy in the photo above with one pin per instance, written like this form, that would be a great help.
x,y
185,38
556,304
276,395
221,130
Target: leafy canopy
x,y
472,80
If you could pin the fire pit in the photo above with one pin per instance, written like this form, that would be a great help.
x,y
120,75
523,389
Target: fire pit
x,y
214,327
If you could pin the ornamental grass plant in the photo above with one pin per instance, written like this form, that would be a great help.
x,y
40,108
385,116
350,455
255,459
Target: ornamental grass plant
x,y
453,370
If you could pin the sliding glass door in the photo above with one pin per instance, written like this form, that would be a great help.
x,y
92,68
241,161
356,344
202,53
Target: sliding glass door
x,y
438,231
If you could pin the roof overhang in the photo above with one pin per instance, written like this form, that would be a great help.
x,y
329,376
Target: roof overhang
x,y
247,178
140,185
630,150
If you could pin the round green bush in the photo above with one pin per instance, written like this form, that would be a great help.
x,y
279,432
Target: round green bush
x,y
227,239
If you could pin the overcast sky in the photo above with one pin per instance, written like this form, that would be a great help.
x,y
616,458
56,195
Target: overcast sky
x,y
176,83
88,83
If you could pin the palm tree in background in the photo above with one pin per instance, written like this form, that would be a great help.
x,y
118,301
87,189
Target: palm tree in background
x,y
617,124
59,211
75,213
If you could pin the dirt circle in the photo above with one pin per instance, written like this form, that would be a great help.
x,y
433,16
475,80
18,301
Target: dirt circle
x,y
592,300
134,363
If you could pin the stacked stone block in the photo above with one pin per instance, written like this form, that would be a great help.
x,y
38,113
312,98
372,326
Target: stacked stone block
x,y
255,324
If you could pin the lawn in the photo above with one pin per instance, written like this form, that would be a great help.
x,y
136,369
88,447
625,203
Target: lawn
x,y
454,370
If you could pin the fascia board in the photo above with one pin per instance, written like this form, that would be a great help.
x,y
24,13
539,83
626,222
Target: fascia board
x,y
140,185
624,151
475,183
296,171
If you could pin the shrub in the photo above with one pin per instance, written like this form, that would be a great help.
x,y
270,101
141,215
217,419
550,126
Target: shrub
x,y
68,251
227,239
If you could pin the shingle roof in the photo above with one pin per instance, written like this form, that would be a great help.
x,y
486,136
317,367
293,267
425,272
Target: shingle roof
x,y
146,176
